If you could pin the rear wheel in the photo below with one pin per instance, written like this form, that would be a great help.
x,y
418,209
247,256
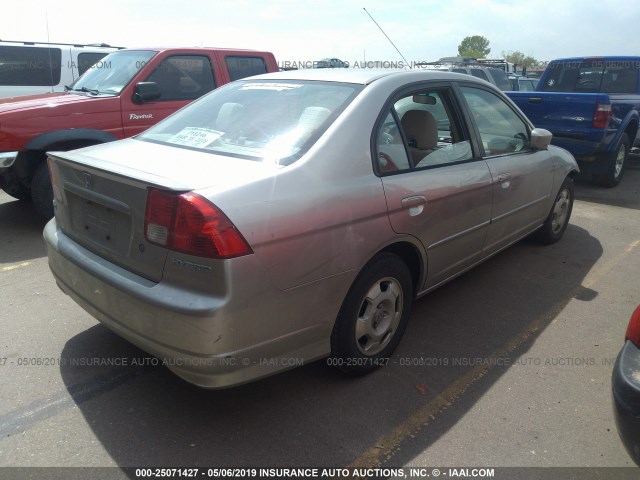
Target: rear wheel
x,y
616,166
42,191
556,222
373,316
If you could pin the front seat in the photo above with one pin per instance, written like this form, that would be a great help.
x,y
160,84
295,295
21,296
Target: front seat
x,y
421,129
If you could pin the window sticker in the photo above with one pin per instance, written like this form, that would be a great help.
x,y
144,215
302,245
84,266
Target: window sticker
x,y
195,137
278,87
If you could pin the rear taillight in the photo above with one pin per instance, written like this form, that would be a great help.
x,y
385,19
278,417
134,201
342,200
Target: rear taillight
x,y
633,330
189,223
601,115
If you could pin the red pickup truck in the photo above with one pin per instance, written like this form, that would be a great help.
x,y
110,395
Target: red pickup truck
x,y
123,94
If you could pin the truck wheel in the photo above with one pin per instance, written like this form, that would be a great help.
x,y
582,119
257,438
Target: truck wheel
x,y
16,190
556,222
373,317
617,162
42,191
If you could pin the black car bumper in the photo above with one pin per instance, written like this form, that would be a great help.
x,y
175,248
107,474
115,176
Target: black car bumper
x,y
626,398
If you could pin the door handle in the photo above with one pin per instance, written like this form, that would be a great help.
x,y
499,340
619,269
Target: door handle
x,y
414,201
504,179
415,204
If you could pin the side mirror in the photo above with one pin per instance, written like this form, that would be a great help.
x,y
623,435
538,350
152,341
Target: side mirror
x,y
146,92
540,138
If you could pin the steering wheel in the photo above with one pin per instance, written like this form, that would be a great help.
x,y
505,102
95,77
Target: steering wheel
x,y
517,146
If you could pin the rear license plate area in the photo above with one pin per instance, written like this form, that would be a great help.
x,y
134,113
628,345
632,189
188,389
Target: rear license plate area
x,y
99,225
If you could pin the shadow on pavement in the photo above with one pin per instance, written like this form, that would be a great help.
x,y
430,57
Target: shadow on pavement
x,y
20,231
626,194
313,416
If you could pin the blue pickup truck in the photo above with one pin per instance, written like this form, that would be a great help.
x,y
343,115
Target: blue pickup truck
x,y
591,105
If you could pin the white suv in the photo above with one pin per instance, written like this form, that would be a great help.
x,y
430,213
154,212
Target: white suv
x,y
28,68
470,66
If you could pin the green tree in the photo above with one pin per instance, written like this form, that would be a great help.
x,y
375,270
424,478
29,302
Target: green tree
x,y
520,59
476,46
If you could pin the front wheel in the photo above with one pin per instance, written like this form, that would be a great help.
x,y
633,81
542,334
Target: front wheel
x,y
15,189
373,316
556,222
616,166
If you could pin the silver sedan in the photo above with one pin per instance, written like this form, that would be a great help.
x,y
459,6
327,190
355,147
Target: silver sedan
x,y
295,216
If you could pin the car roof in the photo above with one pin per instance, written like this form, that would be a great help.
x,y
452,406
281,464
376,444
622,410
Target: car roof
x,y
597,58
362,76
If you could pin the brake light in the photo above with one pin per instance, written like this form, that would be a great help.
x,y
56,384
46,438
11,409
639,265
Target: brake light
x,y
633,330
189,223
601,115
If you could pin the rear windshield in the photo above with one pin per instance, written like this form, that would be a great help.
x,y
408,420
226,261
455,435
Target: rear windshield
x,y
259,120
592,76
500,77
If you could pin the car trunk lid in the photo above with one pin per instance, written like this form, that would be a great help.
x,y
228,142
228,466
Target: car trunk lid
x,y
101,194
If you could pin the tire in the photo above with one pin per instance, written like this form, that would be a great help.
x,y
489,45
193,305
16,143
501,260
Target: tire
x,y
617,164
42,191
16,190
556,222
373,316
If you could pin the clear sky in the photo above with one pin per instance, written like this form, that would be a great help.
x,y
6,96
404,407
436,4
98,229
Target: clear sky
x,y
305,30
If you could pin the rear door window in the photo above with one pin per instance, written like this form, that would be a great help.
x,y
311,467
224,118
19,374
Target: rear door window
x,y
422,130
241,67
30,66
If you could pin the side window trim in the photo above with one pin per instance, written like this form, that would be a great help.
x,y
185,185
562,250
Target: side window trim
x,y
405,142
375,145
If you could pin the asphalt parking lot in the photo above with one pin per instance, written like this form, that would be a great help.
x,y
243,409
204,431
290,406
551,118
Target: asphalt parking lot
x,y
506,366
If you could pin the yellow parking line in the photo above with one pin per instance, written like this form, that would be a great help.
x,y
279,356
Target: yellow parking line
x,y
14,267
386,446
595,276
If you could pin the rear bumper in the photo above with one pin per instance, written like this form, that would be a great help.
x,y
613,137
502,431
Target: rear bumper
x,y
598,164
592,154
589,159
625,382
207,341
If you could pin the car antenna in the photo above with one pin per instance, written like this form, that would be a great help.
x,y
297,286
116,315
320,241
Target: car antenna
x,y
390,41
